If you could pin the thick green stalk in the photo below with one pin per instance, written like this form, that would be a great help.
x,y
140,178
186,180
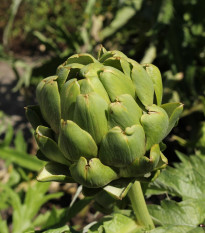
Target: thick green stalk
x,y
139,206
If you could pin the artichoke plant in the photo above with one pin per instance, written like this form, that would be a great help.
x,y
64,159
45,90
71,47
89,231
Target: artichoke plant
x,y
101,122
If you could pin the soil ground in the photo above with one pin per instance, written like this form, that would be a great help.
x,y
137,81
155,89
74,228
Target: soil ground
x,y
11,103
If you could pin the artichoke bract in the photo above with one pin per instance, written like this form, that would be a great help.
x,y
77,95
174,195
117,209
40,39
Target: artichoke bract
x,y
102,119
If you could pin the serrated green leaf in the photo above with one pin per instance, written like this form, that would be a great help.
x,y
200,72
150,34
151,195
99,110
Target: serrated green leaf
x,y
24,213
50,218
186,180
177,229
186,213
117,223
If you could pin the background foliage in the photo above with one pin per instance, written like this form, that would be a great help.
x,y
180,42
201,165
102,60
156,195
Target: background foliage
x,y
37,36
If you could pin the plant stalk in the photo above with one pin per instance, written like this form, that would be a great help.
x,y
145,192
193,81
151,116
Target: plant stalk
x,y
139,206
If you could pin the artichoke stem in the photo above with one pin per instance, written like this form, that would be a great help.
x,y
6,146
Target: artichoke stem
x,y
139,206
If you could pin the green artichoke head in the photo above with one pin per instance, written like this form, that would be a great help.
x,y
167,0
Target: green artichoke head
x,y
101,121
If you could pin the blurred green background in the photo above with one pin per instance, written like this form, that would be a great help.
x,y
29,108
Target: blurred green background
x,y
37,36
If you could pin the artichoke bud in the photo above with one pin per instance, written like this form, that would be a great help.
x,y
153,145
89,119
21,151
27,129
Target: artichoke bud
x,y
163,161
66,72
91,70
155,155
105,121
34,116
109,54
83,58
119,63
90,73
156,78
173,111
144,86
116,83
85,86
105,56
117,53
41,156
101,51
55,172
48,146
139,167
152,177
143,165
49,100
62,73
92,173
74,142
99,88
90,115
120,148
124,112
155,124
68,94
149,177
